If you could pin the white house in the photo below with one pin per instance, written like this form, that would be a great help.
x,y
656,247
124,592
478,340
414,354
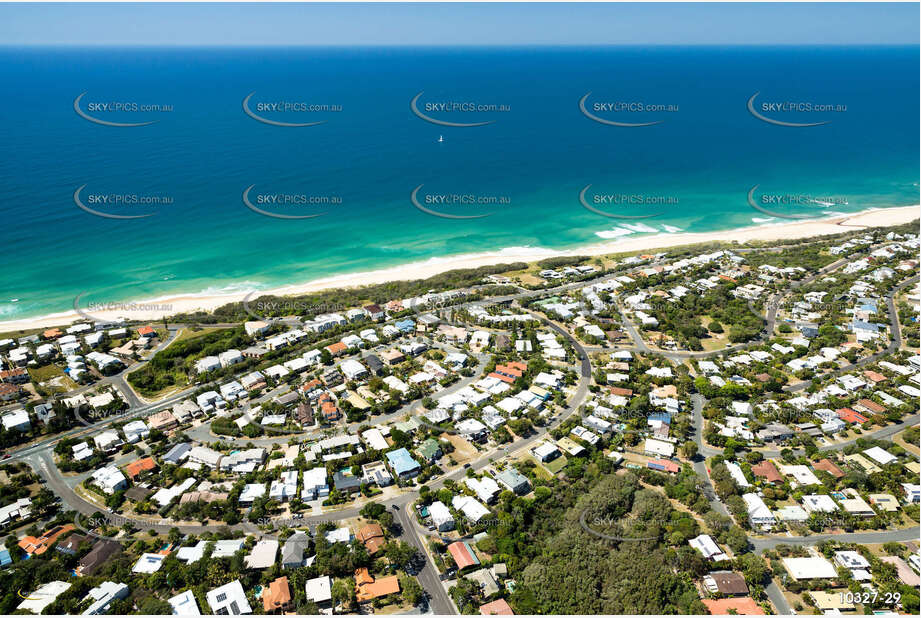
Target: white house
x,y
315,484
352,369
758,513
813,567
135,431
485,489
107,441
229,599
708,548
658,448
231,357
208,363
109,479
319,589
441,517
473,510
284,488
17,420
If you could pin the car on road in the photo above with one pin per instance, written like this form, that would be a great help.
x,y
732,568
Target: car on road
x,y
394,507
466,465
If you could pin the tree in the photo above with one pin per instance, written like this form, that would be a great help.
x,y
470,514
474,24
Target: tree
x,y
689,449
154,606
412,591
400,552
753,568
736,539
893,549
343,591
372,510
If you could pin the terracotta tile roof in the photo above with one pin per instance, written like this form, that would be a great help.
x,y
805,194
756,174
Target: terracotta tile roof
x,y
6,389
875,377
871,405
850,416
743,606
375,588
370,531
141,465
277,595
623,392
38,546
328,407
668,466
312,385
372,537
463,555
828,466
362,576
504,378
499,607
336,348
9,374
767,470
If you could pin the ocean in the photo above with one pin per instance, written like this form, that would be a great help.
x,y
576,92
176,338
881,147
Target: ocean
x,y
692,169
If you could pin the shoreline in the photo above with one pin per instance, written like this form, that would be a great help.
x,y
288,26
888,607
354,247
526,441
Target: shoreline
x,y
875,217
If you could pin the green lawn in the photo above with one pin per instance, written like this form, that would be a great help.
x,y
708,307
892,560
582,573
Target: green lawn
x,y
556,465
43,374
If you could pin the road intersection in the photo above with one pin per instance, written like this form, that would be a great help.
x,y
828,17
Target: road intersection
x,y
39,455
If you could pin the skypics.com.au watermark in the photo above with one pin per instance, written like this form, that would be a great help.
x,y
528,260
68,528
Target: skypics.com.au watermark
x,y
93,416
125,309
114,205
284,205
448,205
114,113
266,310
788,113
617,113
449,112
284,112
618,529
768,203
91,525
267,427
626,205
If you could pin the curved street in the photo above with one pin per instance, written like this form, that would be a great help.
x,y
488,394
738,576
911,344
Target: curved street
x,y
39,455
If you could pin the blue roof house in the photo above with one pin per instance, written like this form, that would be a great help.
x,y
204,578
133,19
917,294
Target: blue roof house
x,y
403,463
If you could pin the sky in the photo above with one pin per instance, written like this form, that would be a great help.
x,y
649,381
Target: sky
x,y
231,24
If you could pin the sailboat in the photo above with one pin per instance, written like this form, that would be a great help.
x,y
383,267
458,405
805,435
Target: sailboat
x,y
441,138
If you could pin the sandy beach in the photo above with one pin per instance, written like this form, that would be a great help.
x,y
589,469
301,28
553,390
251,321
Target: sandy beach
x,y
420,270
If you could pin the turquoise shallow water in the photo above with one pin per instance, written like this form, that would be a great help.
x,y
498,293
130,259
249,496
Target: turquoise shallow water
x,y
371,152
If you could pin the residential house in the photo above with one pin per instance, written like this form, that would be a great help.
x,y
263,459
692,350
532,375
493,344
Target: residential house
x,y
229,600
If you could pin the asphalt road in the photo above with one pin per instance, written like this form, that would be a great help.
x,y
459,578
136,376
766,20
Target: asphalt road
x,y
439,601
39,457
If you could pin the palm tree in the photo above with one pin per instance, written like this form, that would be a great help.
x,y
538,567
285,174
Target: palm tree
x,y
343,592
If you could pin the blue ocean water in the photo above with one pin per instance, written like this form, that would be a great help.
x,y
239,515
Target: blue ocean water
x,y
696,166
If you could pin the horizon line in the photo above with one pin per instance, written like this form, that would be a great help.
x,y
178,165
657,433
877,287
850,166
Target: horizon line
x,y
441,45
